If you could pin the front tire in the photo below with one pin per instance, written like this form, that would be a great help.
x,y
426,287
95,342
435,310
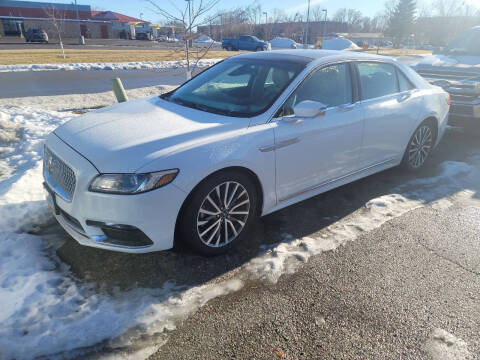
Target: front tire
x,y
219,213
259,48
229,48
419,147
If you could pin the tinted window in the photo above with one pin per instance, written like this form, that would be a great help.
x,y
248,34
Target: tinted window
x,y
377,79
403,82
237,87
330,85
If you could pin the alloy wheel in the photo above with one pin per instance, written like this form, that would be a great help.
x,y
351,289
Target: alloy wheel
x,y
223,214
420,146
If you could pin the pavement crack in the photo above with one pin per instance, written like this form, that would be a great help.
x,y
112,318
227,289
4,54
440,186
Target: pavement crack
x,y
426,247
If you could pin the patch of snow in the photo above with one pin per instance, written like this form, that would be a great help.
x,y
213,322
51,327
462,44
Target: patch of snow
x,y
80,101
444,346
137,65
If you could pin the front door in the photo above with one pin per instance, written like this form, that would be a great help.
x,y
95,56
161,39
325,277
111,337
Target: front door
x,y
315,151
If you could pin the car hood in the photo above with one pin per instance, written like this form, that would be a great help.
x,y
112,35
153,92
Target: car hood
x,y
446,62
123,137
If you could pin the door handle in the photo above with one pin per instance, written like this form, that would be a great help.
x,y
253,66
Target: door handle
x,y
348,107
403,97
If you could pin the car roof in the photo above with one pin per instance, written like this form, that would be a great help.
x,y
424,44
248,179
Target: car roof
x,y
310,55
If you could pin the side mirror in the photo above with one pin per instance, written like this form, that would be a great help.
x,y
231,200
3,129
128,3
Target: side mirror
x,y
309,109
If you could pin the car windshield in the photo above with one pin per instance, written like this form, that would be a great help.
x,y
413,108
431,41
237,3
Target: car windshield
x,y
237,87
467,43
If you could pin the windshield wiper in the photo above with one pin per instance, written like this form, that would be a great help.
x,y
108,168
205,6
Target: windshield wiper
x,y
207,108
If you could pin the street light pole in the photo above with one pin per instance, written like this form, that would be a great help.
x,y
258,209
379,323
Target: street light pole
x,y
325,23
265,13
305,40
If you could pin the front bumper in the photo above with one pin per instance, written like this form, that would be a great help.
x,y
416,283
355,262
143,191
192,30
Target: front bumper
x,y
153,213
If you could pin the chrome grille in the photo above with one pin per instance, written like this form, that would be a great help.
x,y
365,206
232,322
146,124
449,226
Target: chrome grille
x,y
58,175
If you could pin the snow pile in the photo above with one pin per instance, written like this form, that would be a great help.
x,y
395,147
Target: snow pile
x,y
137,65
450,61
444,346
43,308
339,44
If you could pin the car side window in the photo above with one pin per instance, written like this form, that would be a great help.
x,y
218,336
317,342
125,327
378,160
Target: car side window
x,y
377,79
403,82
330,85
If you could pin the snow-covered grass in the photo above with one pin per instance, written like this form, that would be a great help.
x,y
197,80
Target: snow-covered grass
x,y
46,311
137,65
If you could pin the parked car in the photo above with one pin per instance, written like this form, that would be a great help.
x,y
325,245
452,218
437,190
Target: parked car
x,y
244,42
143,36
284,43
457,70
205,41
36,35
247,137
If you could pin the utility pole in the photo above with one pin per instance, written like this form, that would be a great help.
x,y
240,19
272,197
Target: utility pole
x,y
265,13
305,40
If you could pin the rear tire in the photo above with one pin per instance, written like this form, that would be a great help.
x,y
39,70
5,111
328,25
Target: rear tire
x,y
419,146
219,213
229,48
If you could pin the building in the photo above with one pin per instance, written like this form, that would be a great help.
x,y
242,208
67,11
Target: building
x,y
123,26
16,17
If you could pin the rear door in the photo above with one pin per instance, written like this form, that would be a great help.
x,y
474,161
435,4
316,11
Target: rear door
x,y
391,107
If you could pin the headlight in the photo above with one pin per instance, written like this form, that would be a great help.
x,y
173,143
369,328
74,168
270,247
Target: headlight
x,y
132,183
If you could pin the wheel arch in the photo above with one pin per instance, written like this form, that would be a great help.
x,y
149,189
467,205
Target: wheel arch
x,y
242,169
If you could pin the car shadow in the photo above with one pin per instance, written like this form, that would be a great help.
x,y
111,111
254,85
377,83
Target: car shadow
x,y
111,270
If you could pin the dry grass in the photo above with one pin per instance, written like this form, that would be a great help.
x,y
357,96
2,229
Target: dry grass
x,y
53,56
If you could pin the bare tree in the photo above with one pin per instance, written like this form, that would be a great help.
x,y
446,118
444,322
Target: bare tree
x,y
190,17
57,17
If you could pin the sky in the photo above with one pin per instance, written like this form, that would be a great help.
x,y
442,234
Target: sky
x,y
142,9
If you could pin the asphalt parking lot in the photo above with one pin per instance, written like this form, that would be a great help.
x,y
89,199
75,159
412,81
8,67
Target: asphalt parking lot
x,y
407,290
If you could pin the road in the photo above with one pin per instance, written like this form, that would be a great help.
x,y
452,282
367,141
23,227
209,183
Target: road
x,y
45,83
408,289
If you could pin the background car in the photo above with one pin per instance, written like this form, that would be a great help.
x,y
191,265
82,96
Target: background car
x,y
245,42
457,70
143,36
249,136
284,43
36,35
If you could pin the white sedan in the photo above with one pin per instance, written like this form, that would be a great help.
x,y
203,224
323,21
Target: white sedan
x,y
247,137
